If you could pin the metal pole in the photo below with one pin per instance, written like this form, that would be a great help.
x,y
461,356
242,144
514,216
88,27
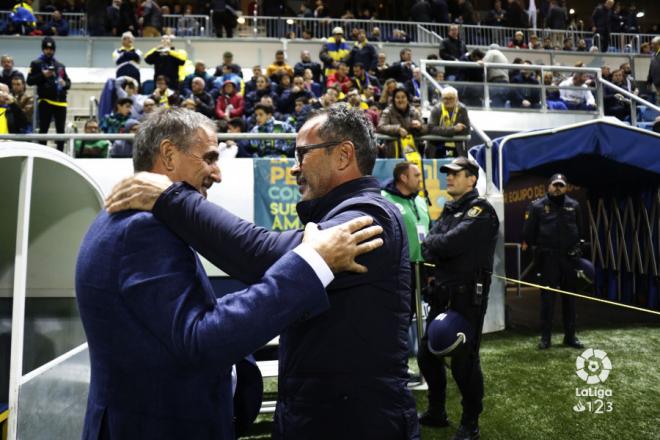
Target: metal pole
x,y
418,311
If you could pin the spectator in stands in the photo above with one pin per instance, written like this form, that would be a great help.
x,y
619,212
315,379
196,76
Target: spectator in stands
x,y
557,17
645,48
199,72
414,85
628,78
163,95
57,25
12,118
201,98
606,73
329,98
449,118
375,34
287,102
228,61
186,25
582,45
466,14
498,95
24,100
227,75
127,58
362,79
525,97
127,87
229,104
128,20
312,85
112,16
235,148
402,121
363,52
568,45
278,67
601,20
151,20
282,83
534,42
254,97
166,60
577,99
49,75
267,124
224,16
495,16
440,11
8,71
518,41
114,122
387,94
547,44
653,77
251,85
307,63
515,16
334,51
552,93
402,70
94,148
355,100
614,103
452,49
421,12
340,77
382,68
124,147
299,115
148,107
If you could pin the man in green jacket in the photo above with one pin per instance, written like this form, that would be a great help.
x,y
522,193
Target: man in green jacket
x,y
403,191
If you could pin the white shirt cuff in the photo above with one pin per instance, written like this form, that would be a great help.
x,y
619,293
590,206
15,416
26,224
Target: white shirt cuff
x,y
318,264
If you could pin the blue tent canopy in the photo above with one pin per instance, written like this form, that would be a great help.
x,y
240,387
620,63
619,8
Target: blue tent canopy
x,y
596,153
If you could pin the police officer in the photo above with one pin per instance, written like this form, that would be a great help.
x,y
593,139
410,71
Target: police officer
x,y
553,225
461,245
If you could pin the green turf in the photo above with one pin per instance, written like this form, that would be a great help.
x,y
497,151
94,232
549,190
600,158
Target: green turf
x,y
530,394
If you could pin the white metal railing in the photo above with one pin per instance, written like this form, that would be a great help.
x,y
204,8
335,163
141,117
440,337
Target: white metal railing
x,y
632,99
501,89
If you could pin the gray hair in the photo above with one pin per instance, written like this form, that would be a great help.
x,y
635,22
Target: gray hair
x,y
342,122
177,125
449,91
656,40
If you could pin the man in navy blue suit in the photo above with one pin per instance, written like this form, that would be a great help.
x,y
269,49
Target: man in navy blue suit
x,y
161,345
343,373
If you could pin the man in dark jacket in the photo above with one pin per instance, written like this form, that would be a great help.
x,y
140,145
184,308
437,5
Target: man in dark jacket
x,y
421,12
12,118
307,63
166,60
49,75
461,244
557,18
452,48
8,72
449,118
343,374
363,52
601,20
522,97
553,226
653,78
224,17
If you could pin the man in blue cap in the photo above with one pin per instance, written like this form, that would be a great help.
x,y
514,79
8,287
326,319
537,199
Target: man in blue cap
x,y
461,244
553,225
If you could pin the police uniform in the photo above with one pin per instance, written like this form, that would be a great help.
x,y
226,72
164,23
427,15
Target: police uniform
x,y
553,224
461,244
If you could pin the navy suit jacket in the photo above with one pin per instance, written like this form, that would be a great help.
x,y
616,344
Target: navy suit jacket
x,y
161,345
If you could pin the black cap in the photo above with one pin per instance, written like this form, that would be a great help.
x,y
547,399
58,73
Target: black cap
x,y
558,178
461,163
47,43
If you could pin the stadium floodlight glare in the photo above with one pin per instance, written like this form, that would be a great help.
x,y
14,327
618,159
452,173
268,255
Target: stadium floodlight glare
x,y
571,11
640,14
289,21
240,20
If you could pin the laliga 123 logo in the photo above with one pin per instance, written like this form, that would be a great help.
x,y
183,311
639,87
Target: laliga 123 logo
x,y
593,366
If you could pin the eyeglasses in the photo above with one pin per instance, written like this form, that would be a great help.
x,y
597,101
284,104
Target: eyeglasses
x,y
304,149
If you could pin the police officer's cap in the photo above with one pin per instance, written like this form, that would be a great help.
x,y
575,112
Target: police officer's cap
x,y
448,332
558,178
461,163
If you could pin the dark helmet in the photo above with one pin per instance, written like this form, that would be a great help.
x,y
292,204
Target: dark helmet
x,y
585,274
448,332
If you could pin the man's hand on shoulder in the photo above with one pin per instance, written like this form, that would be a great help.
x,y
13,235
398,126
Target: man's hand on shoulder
x,y
137,192
339,245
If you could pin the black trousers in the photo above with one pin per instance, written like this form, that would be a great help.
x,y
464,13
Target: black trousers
x,y
558,272
46,113
465,364
226,20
